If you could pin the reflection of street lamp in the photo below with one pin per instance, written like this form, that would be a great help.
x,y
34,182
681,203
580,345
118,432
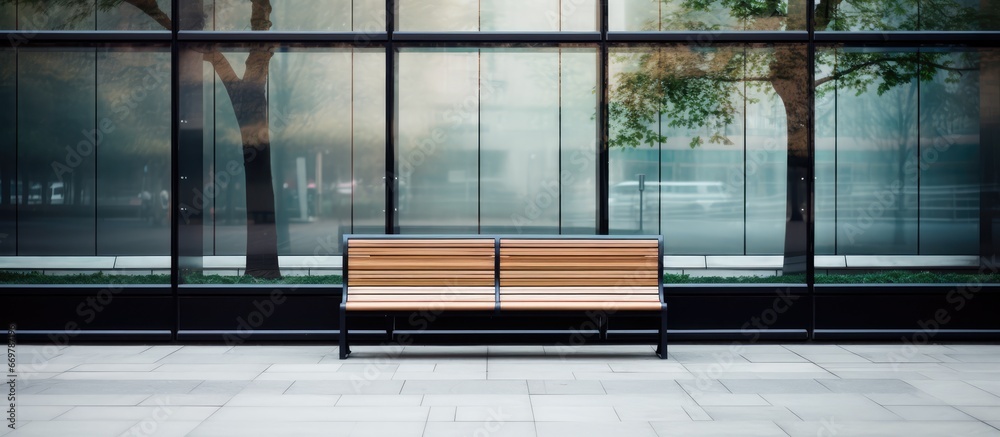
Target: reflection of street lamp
x,y
642,187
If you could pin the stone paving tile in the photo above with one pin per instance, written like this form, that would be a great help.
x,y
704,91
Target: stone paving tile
x,y
308,429
594,429
904,399
646,413
498,413
466,429
743,428
75,428
929,412
957,393
774,386
770,413
138,413
866,428
565,387
442,414
638,386
465,387
982,413
345,387
774,358
284,401
39,412
868,386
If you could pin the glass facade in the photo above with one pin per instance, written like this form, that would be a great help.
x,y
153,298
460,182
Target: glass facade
x,y
327,143
898,164
298,122
487,145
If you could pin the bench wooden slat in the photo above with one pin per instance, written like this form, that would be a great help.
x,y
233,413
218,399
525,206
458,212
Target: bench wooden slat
x,y
579,306
590,252
421,306
377,242
443,275
603,243
526,263
404,282
421,290
421,251
422,263
420,298
559,282
504,291
621,297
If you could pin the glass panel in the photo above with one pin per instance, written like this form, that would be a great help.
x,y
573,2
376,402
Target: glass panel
x,y
48,15
515,15
908,15
578,175
8,153
627,214
578,15
133,162
826,155
878,147
57,139
438,148
989,113
687,195
674,15
126,16
369,143
7,16
290,15
766,162
326,112
226,178
876,153
497,15
519,137
949,154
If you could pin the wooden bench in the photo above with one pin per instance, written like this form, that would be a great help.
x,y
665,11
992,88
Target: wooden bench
x,y
601,276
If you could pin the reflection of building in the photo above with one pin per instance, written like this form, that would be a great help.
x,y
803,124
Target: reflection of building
x,y
492,121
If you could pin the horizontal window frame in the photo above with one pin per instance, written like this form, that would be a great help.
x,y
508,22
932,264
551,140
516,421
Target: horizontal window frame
x,y
18,38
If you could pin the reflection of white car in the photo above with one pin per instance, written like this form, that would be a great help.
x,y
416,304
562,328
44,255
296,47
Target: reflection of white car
x,y
56,194
695,198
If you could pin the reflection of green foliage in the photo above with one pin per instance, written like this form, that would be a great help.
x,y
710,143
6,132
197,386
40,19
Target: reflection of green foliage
x,y
693,87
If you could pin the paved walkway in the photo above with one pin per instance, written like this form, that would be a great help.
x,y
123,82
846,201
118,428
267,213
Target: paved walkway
x,y
523,391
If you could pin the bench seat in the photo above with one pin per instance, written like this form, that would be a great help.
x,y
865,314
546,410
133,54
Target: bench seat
x,y
602,275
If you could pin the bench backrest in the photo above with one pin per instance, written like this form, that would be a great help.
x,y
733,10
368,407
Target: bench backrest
x,y
580,273
419,274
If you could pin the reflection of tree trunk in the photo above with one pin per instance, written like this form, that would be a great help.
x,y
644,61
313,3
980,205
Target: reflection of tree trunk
x,y
249,97
788,77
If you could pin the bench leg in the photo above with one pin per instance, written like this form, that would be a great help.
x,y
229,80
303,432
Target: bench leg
x,y
661,347
602,327
344,348
390,326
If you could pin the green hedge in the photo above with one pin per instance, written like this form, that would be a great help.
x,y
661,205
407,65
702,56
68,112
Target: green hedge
x,y
95,278
887,277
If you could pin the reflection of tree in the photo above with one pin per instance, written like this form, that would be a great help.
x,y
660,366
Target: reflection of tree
x,y
248,95
691,87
